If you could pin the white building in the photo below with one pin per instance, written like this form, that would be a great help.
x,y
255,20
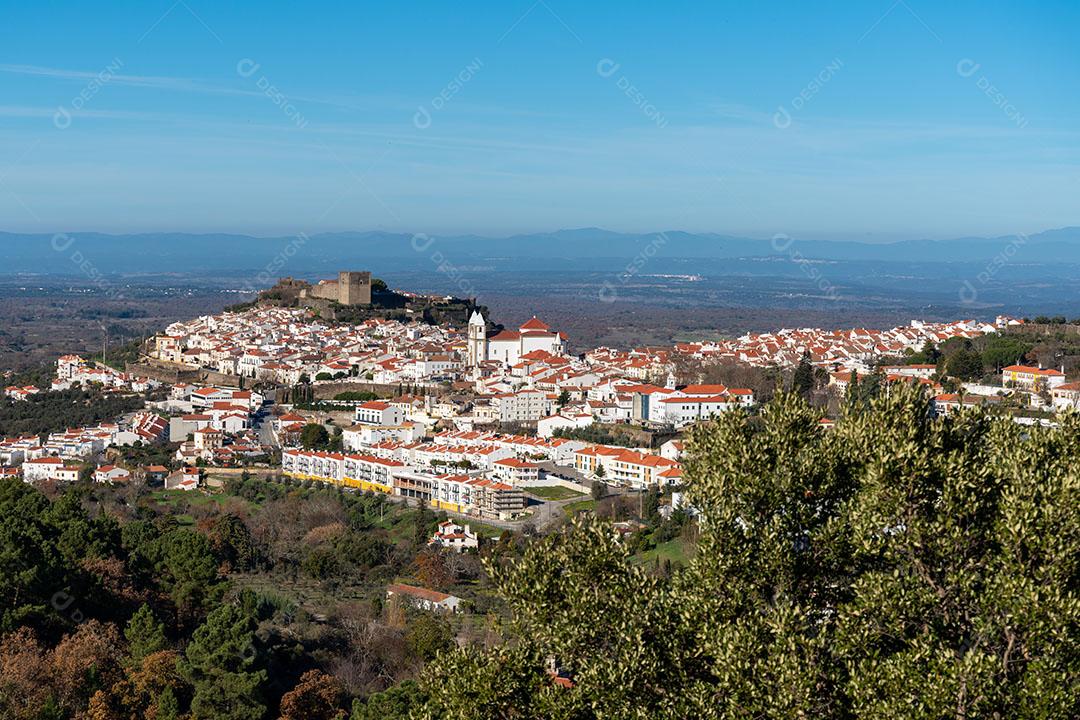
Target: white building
x,y
361,436
423,598
1066,396
546,427
377,412
1031,378
110,474
454,537
187,478
514,471
521,406
49,468
673,450
509,346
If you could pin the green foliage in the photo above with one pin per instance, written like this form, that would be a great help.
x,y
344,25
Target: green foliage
x,y
999,351
144,634
68,566
188,568
600,434
243,307
119,356
168,707
231,540
895,566
426,522
428,635
31,567
254,489
221,664
928,355
803,381
965,365
82,537
651,506
355,396
49,412
322,563
314,436
396,703
862,391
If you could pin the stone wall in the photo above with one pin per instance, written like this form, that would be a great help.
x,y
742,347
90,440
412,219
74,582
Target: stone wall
x,y
173,373
327,390
351,288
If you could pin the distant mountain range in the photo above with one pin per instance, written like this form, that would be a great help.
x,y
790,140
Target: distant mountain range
x,y
581,249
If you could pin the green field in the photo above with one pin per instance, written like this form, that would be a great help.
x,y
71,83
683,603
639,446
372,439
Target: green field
x,y
555,492
672,550
574,508
485,531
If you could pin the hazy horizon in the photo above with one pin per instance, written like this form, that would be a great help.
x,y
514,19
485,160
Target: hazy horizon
x,y
867,238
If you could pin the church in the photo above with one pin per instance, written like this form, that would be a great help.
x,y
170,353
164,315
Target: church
x,y
508,346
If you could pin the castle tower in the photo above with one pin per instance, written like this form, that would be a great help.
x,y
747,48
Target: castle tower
x,y
477,342
354,288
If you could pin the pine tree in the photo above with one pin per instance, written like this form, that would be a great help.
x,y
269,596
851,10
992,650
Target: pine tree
x,y
803,381
168,707
144,634
222,663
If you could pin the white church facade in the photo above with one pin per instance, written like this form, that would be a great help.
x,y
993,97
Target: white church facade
x,y
509,346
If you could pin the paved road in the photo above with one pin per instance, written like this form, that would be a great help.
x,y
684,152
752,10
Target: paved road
x,y
262,423
551,512
266,433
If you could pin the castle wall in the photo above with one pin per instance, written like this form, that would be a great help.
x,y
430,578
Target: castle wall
x,y
351,288
326,291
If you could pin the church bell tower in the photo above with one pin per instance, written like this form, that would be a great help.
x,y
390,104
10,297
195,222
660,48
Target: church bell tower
x,y
477,343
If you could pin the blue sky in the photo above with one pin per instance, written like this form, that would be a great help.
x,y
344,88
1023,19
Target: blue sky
x,y
875,120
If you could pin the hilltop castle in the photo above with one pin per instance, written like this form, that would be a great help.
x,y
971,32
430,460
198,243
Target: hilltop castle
x,y
351,288
355,296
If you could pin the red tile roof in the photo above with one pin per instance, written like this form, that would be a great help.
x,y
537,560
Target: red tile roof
x,y
535,324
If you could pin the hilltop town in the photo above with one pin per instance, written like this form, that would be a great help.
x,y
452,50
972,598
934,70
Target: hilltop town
x,y
469,418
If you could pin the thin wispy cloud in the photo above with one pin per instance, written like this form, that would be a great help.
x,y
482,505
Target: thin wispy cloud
x,y
357,104
25,111
735,111
185,85
158,82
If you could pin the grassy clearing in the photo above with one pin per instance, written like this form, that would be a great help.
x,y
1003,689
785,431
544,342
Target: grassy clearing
x,y
311,595
194,498
673,550
555,492
485,531
582,506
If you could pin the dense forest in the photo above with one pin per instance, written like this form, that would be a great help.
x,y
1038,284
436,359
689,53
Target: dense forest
x,y
265,601
56,411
